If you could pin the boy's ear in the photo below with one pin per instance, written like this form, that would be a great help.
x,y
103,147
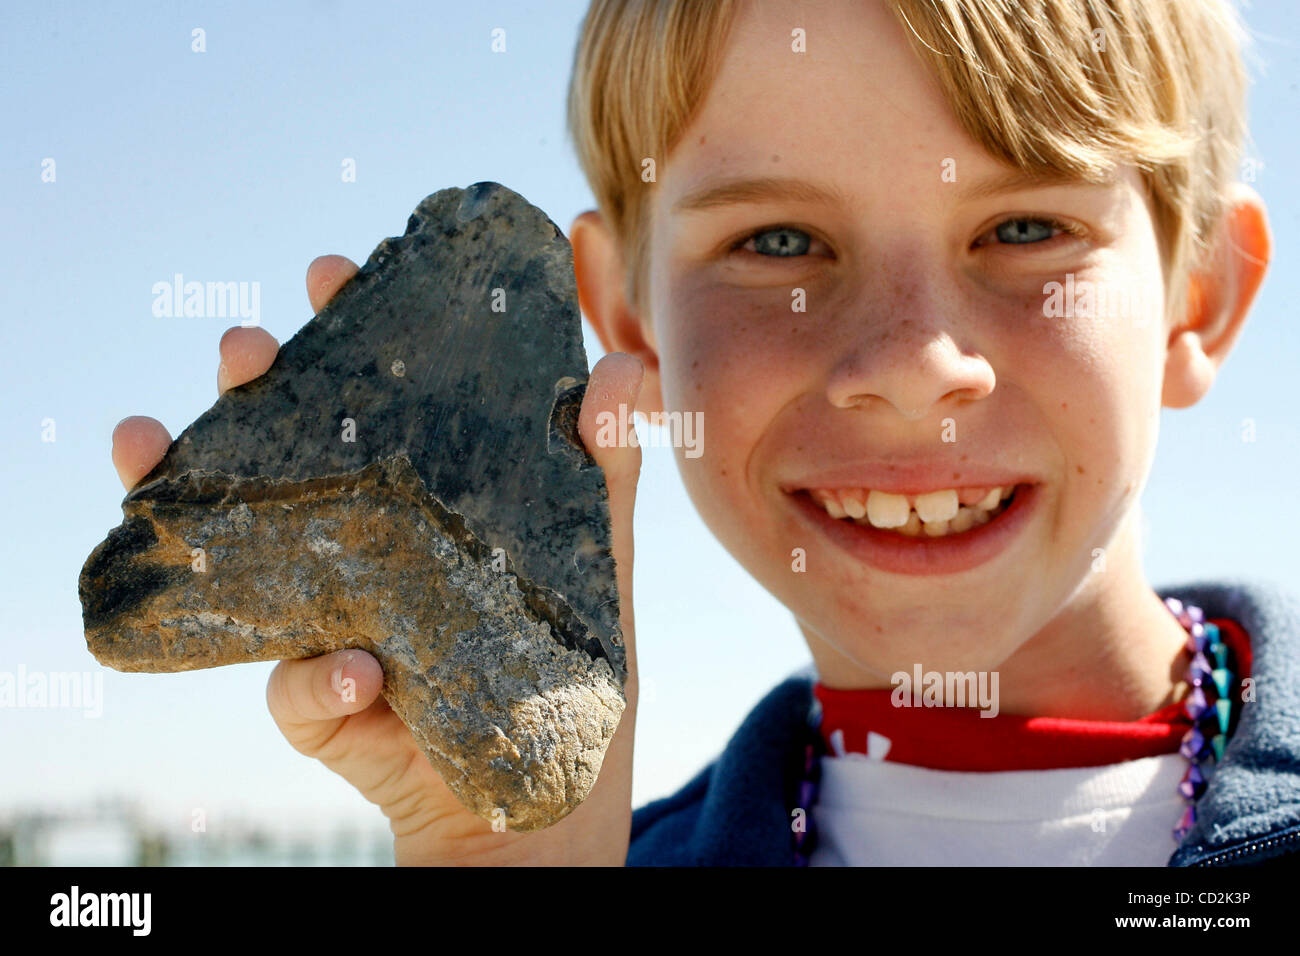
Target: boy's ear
x,y
1219,297
600,272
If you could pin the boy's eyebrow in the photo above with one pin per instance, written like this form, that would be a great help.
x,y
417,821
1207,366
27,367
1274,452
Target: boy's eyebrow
x,y
727,192
1016,179
743,189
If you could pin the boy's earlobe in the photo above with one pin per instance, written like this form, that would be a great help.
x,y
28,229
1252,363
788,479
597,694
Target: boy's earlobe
x,y
601,278
1219,297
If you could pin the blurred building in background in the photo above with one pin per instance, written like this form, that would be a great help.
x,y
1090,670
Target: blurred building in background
x,y
117,832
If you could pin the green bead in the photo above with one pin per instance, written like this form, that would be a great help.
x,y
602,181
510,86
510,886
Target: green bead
x,y
1211,633
1222,680
1220,652
1218,743
1223,708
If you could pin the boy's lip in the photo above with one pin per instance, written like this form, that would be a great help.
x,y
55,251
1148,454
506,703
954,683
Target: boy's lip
x,y
899,554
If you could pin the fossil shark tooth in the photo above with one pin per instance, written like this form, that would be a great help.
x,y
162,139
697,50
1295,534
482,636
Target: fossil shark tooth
x,y
407,478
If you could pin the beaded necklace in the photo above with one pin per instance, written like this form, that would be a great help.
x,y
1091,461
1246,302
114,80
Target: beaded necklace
x,y
1209,705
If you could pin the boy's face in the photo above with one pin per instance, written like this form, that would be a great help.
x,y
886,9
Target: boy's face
x,y
925,342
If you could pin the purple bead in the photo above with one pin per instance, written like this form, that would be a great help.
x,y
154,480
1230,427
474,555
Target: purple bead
x,y
1199,671
1193,743
1193,783
1195,613
1175,606
1195,705
1185,824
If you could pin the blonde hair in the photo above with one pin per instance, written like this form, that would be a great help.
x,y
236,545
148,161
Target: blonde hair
x,y
1065,86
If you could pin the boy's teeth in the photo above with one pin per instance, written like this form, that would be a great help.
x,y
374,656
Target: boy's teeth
x,y
853,504
963,520
937,506
831,503
933,514
886,510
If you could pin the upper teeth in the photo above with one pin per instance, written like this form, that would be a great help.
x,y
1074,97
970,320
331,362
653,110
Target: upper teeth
x,y
935,512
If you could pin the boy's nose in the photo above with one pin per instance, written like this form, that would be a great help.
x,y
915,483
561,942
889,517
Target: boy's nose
x,y
912,366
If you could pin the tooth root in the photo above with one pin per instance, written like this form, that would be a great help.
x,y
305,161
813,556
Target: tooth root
x,y
964,520
935,528
886,510
852,504
990,501
937,506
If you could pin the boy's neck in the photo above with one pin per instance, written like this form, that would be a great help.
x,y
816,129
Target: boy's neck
x,y
1113,653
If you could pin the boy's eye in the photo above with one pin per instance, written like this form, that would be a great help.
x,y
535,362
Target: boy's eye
x,y
778,242
1024,230
1029,230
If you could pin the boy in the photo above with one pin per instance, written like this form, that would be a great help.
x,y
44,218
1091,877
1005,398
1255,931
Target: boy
x,y
842,234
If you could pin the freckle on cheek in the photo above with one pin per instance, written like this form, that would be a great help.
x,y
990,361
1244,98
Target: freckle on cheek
x,y
1079,468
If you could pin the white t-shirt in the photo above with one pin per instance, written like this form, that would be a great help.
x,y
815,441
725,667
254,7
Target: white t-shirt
x,y
872,812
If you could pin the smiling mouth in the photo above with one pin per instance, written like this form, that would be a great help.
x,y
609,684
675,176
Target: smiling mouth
x,y
938,514
939,532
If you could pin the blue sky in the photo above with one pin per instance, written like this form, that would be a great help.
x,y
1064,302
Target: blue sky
x,y
225,166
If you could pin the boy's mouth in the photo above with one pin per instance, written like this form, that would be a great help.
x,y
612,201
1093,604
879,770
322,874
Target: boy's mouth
x,y
939,532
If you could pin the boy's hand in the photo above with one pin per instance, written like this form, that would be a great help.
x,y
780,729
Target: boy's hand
x,y
363,740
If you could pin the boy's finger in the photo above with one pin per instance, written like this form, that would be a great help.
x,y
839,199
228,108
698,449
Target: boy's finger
x,y
301,694
245,354
139,443
325,276
615,380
